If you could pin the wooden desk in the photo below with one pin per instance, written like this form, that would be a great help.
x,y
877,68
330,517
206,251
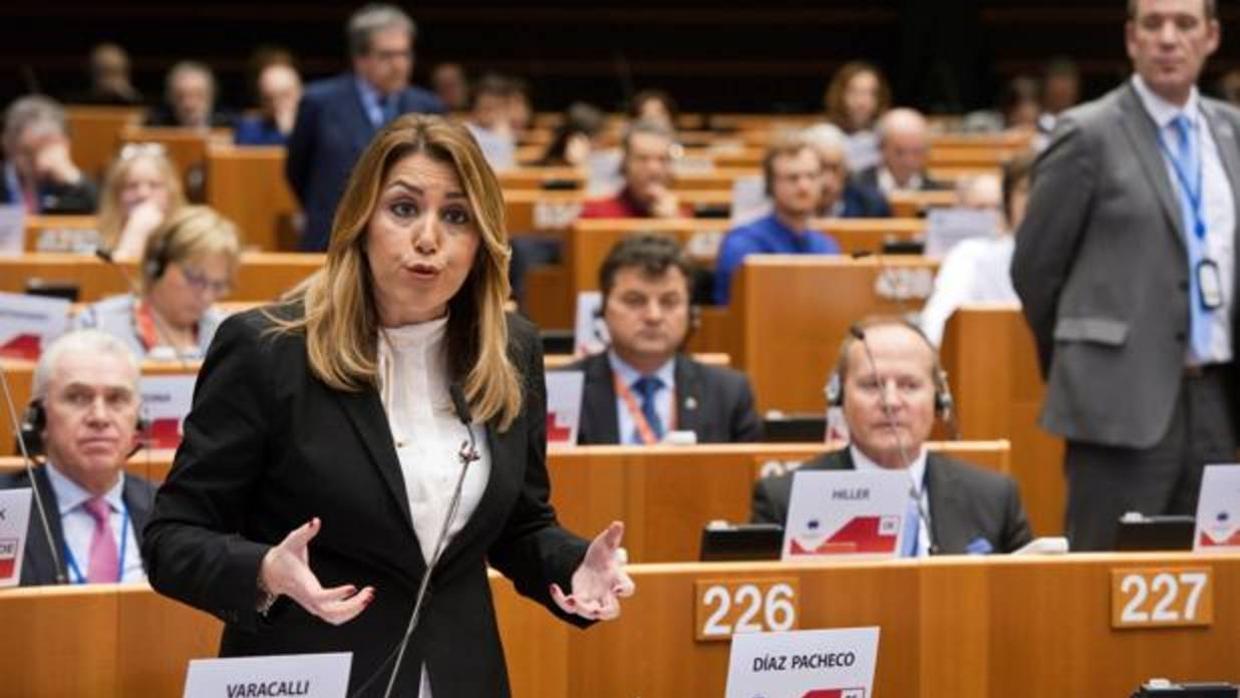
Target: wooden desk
x,y
789,314
247,185
992,364
94,134
186,148
36,226
911,204
261,276
962,627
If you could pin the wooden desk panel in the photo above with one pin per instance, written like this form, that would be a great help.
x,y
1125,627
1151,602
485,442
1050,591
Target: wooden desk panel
x,y
966,627
247,185
94,134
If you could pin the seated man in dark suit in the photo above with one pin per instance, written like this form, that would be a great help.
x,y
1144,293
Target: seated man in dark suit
x,y
189,99
889,384
38,172
842,197
904,144
338,116
642,387
84,420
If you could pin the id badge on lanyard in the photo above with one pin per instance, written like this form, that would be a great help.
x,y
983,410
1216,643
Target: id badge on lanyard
x,y
1209,284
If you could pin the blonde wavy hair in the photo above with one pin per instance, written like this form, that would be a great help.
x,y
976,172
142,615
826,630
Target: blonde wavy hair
x,y
340,320
112,213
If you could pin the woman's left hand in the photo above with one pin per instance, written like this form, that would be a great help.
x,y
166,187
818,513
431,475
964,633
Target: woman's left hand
x,y
600,581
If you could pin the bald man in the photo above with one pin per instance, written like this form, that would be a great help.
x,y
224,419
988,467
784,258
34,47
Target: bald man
x,y
904,144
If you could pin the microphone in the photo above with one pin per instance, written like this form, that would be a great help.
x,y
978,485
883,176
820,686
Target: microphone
x,y
34,485
105,255
467,454
914,491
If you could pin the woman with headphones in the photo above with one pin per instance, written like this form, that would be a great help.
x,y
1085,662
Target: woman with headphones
x,y
188,264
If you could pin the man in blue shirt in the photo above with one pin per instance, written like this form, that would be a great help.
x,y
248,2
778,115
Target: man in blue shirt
x,y
793,173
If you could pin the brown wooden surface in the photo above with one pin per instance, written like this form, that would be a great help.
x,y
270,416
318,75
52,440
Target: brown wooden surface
x,y
37,225
965,627
94,134
991,362
247,185
261,276
186,147
790,313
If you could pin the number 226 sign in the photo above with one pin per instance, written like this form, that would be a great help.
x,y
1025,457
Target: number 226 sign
x,y
725,607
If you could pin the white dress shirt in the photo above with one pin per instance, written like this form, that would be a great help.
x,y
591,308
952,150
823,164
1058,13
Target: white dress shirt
x,y
917,478
662,399
78,526
1218,203
975,271
413,370
887,182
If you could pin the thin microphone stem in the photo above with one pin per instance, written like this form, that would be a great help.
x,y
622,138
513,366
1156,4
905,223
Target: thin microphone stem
x,y
34,486
160,328
888,413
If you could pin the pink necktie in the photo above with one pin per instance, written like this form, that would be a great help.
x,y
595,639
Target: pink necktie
x,y
103,564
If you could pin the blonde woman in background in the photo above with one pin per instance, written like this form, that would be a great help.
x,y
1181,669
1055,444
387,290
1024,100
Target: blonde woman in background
x,y
141,189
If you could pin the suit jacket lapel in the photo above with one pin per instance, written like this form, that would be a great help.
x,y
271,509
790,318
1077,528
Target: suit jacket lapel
x,y
363,128
688,407
1143,134
139,502
366,413
946,509
39,566
1229,153
507,462
599,401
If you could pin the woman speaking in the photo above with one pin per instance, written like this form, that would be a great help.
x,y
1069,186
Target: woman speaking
x,y
356,457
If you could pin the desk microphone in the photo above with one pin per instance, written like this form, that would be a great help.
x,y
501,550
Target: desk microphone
x,y
34,485
467,454
134,288
915,490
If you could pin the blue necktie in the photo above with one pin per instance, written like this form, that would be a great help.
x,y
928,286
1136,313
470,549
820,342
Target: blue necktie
x,y
1192,207
647,386
389,108
912,529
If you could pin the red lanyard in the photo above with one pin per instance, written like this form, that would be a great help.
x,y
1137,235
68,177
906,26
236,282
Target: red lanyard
x,y
144,324
639,417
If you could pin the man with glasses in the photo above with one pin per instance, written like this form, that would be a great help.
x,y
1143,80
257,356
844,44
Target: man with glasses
x,y
643,388
337,117
83,421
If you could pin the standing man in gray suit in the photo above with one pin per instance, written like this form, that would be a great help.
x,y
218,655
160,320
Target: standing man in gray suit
x,y
1125,264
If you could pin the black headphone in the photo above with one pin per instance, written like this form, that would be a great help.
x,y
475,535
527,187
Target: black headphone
x,y
154,267
34,421
944,403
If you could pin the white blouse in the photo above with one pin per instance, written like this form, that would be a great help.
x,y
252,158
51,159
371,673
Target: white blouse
x,y
413,385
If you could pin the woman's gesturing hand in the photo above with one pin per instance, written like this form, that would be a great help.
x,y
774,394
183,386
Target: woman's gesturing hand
x,y
600,581
286,570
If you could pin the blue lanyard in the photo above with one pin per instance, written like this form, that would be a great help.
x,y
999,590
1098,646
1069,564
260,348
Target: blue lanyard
x,y
75,572
1194,193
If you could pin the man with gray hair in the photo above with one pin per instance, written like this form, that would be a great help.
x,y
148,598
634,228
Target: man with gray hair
x,y
904,145
38,173
338,116
83,422
189,96
841,197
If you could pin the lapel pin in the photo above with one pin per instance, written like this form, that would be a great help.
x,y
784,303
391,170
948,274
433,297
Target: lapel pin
x,y
690,403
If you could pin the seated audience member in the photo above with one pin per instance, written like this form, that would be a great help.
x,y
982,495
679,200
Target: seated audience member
x,y
520,108
189,99
904,144
646,163
889,395
110,83
279,90
489,123
643,387
140,191
977,270
793,174
1061,90
857,96
451,86
83,422
841,196
188,263
39,173
576,137
1017,109
656,106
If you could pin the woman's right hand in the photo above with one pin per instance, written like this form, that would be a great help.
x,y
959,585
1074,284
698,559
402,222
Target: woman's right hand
x,y
286,570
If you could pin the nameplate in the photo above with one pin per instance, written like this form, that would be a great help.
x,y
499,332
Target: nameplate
x,y
301,675
804,664
14,518
731,606
28,324
12,229
1218,511
590,334
564,390
948,227
846,513
165,403
1157,597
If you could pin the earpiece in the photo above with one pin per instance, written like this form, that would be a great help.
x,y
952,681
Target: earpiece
x,y
155,267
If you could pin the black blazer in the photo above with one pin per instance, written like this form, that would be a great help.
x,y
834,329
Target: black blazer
x,y
715,403
267,446
39,567
329,135
966,502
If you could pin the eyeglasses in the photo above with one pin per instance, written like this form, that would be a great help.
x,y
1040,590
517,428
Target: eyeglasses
x,y
200,282
133,150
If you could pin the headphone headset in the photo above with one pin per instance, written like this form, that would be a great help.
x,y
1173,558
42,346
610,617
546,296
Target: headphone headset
x,y
34,421
155,267
944,403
